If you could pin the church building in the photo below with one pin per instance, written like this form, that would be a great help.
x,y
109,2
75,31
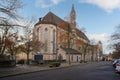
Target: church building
x,y
61,39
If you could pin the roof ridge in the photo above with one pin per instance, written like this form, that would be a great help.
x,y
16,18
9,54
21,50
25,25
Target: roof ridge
x,y
51,18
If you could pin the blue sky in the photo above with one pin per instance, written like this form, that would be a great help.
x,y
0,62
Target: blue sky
x,y
98,17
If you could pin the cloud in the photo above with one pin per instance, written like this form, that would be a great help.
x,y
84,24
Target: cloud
x,y
56,1
47,3
43,3
99,37
107,5
104,38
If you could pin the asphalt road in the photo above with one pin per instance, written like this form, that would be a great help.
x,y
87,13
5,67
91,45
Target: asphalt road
x,y
89,71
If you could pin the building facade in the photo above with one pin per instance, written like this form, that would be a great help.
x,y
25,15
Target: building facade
x,y
62,40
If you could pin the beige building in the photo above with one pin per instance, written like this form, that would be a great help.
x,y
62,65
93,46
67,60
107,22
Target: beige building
x,y
61,39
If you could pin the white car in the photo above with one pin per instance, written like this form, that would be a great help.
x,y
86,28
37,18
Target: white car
x,y
118,67
115,62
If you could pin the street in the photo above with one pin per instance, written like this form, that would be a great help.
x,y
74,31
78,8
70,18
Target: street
x,y
89,71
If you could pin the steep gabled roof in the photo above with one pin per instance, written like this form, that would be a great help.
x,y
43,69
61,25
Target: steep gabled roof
x,y
64,25
71,51
94,46
78,41
81,34
51,18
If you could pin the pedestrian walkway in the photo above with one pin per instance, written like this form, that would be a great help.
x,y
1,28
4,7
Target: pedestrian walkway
x,y
23,69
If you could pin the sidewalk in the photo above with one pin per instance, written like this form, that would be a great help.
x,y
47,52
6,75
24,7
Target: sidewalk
x,y
24,69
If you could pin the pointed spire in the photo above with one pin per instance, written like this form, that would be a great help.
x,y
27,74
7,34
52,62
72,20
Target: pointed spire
x,y
73,10
72,14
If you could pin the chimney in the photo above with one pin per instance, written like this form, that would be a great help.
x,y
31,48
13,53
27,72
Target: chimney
x,y
40,19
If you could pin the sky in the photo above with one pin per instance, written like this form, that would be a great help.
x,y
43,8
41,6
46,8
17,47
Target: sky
x,y
98,17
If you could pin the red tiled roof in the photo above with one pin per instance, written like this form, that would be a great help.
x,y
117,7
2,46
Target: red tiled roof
x,y
64,25
51,18
71,51
81,34
79,42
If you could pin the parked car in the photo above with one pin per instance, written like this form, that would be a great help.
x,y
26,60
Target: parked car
x,y
118,67
115,62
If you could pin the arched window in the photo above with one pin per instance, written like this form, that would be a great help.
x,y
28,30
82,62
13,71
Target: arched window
x,y
46,40
53,41
39,34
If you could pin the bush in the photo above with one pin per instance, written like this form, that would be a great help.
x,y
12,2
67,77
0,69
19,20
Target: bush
x,y
54,64
4,58
7,63
22,61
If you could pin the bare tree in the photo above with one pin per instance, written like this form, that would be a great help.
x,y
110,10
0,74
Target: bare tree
x,y
85,50
116,35
8,14
9,8
92,49
83,30
116,42
37,46
27,38
10,45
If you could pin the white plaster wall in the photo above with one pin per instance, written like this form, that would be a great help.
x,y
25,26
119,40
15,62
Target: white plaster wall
x,y
41,33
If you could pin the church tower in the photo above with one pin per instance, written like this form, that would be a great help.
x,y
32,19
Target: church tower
x,y
73,20
73,27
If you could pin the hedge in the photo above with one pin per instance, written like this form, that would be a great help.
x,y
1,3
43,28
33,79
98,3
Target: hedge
x,y
54,64
7,63
22,61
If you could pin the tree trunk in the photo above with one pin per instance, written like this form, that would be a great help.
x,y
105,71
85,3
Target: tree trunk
x,y
3,50
92,57
28,58
84,57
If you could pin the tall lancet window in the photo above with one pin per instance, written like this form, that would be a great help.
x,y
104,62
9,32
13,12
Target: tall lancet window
x,y
53,41
46,40
39,34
